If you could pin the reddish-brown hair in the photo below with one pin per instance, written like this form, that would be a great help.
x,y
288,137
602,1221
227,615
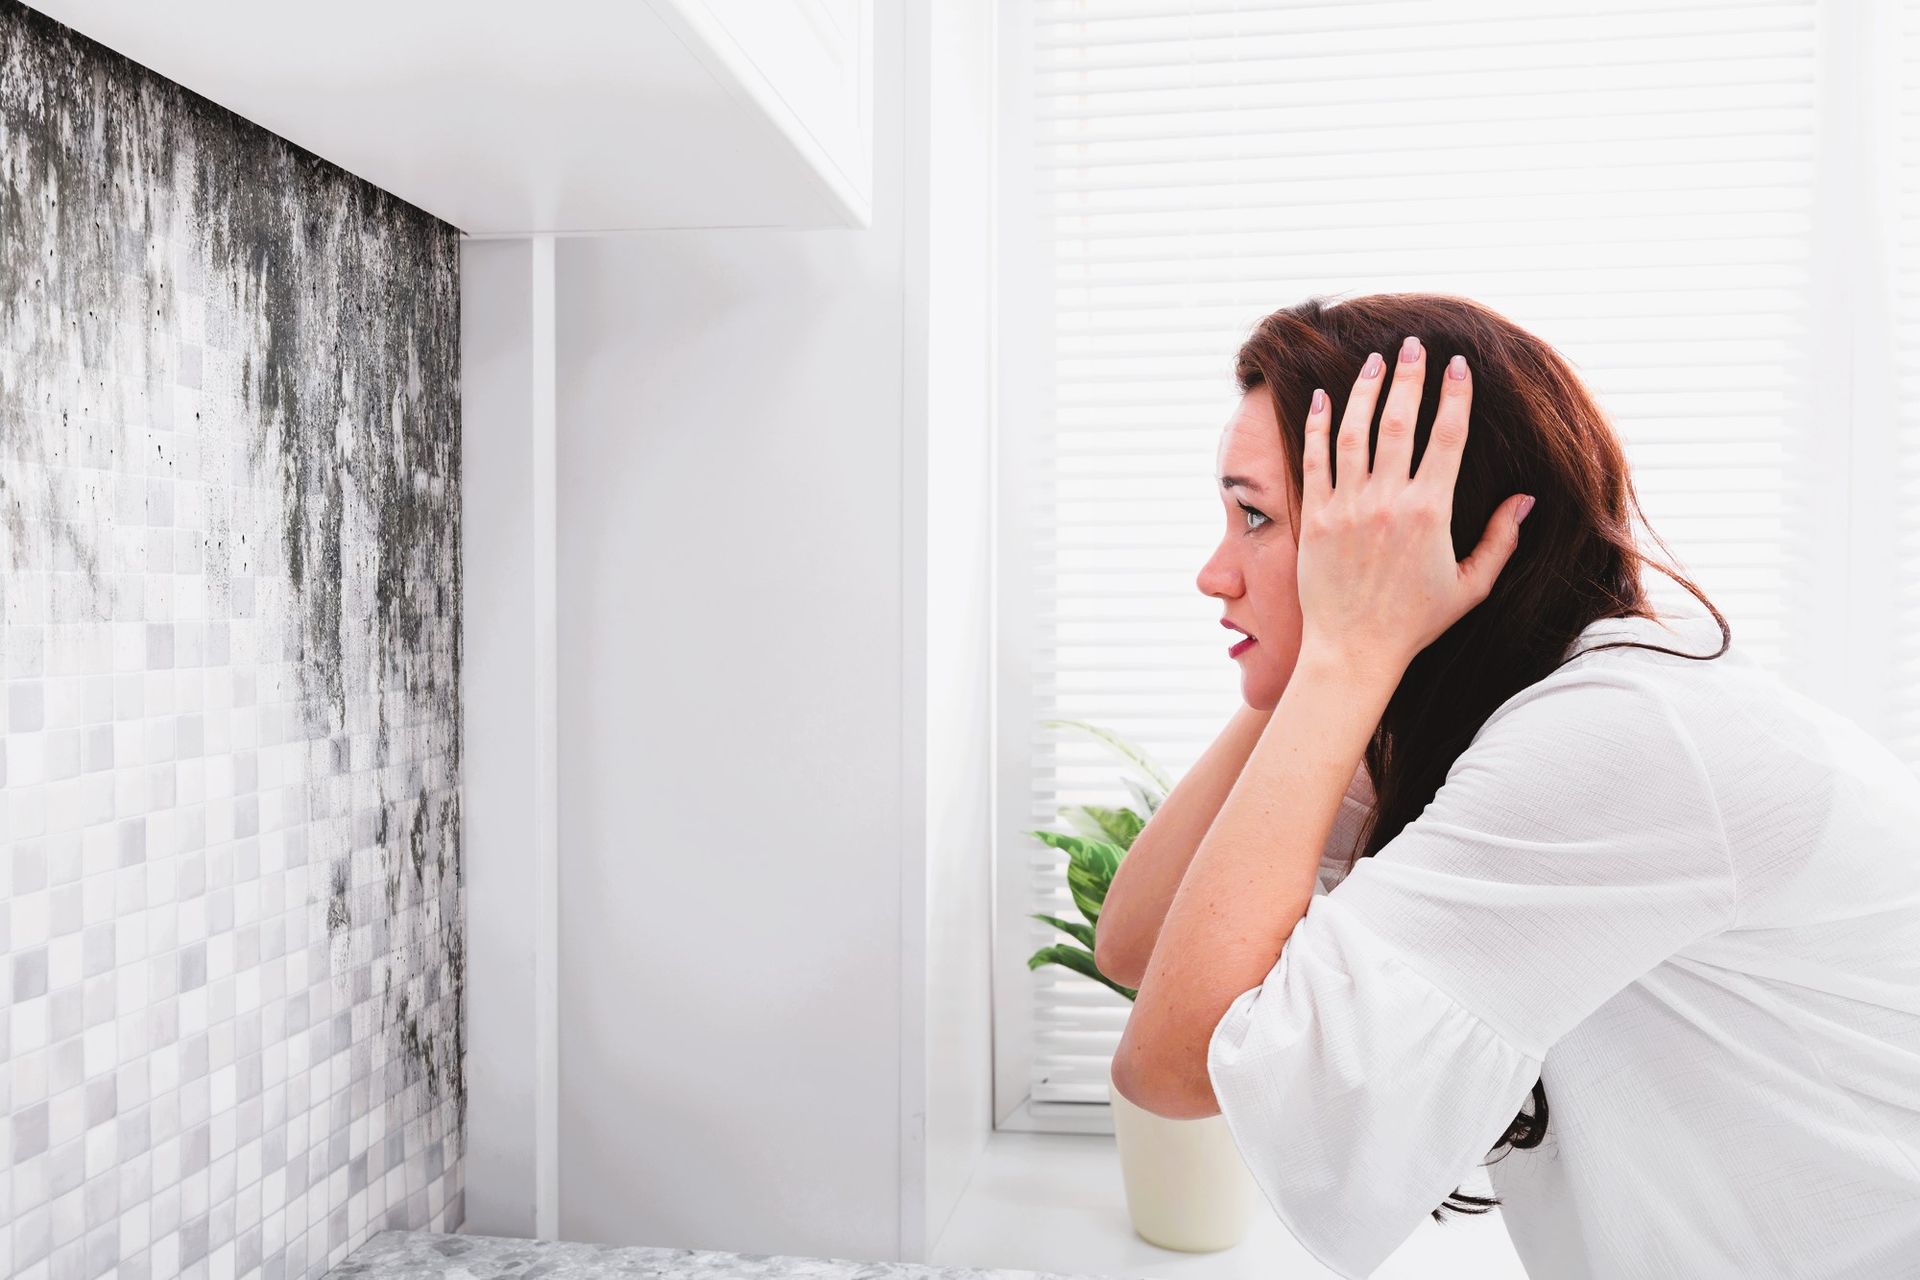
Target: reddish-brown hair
x,y
1534,428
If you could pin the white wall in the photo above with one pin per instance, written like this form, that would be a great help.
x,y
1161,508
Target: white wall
x,y
773,751
731,702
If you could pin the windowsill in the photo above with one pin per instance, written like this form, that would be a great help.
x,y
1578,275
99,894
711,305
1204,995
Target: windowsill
x,y
1055,1202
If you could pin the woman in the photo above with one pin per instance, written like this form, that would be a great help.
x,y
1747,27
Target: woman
x,y
1490,831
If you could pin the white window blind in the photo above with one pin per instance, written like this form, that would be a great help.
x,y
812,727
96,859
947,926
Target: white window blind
x,y
1641,185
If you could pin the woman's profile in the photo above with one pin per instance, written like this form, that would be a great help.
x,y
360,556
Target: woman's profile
x,y
1499,863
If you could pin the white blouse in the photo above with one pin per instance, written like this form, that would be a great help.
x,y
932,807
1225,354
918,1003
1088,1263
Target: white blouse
x,y
1680,893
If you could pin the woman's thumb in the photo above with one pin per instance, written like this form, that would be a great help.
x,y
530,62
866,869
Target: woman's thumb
x,y
1497,544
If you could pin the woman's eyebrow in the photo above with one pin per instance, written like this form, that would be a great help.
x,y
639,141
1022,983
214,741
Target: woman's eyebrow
x,y
1240,482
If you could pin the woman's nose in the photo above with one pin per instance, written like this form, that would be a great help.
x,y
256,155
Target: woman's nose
x,y
1214,578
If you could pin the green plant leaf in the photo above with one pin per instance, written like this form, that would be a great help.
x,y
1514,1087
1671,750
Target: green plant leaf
x,y
1072,928
1138,758
1148,800
1101,837
1080,962
1116,826
1090,868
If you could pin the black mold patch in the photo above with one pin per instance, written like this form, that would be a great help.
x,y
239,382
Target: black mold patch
x,y
247,359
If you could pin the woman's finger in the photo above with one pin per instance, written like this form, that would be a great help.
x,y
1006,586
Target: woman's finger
x,y
1393,456
1497,545
1351,447
1440,464
1316,475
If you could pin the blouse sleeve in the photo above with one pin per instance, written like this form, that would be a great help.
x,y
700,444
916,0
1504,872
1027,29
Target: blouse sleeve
x,y
1574,845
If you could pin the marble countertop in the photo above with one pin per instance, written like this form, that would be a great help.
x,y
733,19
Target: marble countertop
x,y
433,1255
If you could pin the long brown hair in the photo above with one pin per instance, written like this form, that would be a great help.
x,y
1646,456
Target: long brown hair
x,y
1534,428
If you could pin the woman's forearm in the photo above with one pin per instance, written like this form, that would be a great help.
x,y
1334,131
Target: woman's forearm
x,y
1251,879
1150,874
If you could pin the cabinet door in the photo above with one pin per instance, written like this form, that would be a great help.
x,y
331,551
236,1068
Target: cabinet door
x,y
814,59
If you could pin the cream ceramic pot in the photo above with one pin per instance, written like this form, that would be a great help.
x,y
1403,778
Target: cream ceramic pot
x,y
1187,1187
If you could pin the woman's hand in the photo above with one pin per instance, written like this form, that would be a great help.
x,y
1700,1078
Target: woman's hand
x,y
1377,578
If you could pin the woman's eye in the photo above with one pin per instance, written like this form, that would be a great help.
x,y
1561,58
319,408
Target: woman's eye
x,y
1250,511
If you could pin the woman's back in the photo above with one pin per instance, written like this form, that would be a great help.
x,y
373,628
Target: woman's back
x,y
1756,1096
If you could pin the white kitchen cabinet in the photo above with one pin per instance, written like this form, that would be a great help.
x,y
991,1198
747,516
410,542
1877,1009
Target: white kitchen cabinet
x,y
816,58
572,116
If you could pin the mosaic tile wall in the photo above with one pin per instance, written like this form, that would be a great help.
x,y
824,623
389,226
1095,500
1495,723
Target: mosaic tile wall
x,y
230,887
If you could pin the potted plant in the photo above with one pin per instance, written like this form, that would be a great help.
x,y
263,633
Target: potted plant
x,y
1186,1186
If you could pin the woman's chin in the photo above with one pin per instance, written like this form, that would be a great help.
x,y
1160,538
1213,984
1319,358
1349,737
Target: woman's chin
x,y
1260,684
1258,691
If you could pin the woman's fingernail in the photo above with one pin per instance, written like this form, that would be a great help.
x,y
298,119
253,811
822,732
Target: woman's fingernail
x,y
1319,401
1373,366
1457,368
1526,505
1410,349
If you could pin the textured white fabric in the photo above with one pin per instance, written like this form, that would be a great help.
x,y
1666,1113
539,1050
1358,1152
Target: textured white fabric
x,y
1681,894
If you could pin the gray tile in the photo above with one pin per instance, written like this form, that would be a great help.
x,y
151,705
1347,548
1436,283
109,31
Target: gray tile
x,y
29,974
26,706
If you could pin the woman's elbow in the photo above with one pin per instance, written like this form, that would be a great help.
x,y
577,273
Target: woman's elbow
x,y
1116,963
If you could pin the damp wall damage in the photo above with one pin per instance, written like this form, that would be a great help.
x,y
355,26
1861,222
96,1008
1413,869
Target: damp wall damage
x,y
230,623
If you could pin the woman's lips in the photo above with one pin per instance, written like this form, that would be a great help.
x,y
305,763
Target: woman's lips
x,y
1241,648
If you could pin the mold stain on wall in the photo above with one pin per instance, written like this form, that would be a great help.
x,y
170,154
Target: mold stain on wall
x,y
229,452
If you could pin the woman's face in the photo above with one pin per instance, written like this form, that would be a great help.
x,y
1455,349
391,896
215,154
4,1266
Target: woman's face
x,y
1252,570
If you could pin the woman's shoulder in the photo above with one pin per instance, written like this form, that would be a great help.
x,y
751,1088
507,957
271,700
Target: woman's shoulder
x,y
1703,681
1592,698
1628,677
